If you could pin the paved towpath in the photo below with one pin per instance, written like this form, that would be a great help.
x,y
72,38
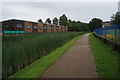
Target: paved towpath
x,y
76,62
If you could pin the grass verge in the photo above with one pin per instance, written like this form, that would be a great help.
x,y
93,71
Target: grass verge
x,y
37,68
106,58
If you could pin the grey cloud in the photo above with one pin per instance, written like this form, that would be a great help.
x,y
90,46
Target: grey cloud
x,y
83,11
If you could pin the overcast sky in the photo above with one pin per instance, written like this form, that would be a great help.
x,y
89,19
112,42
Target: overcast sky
x,y
78,11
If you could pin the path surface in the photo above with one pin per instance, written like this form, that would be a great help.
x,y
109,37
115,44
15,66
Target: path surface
x,y
76,62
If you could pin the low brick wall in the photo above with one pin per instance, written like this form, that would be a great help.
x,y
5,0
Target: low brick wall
x,y
116,45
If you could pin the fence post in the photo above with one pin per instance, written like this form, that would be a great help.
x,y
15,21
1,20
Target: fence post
x,y
115,31
105,32
102,31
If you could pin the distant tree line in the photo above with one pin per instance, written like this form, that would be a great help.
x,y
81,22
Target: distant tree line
x,y
75,25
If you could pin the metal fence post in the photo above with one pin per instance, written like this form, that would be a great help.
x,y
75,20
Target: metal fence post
x,y
105,32
115,31
102,31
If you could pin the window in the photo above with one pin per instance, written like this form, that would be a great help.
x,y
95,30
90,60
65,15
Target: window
x,y
48,27
19,26
6,26
28,27
40,27
45,27
35,27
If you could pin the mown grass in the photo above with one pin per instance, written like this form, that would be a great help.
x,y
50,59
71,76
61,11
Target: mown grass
x,y
37,68
106,58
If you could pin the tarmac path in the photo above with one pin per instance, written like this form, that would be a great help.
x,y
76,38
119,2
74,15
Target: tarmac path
x,y
76,62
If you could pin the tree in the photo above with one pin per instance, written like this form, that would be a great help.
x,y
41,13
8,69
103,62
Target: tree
x,y
55,21
69,21
116,18
48,21
95,23
63,20
40,20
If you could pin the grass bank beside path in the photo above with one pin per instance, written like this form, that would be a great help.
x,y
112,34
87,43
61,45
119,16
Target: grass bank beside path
x,y
106,58
37,68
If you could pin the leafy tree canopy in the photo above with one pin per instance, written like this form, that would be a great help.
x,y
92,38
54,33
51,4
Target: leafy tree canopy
x,y
63,20
95,23
116,18
55,21
48,21
40,20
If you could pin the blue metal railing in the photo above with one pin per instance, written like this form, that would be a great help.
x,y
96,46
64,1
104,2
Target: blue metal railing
x,y
112,32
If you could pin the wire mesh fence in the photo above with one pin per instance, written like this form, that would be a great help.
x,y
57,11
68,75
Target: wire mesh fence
x,y
111,32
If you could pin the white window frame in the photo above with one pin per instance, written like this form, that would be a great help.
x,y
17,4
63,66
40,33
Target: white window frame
x,y
28,26
35,27
19,25
41,27
48,27
45,27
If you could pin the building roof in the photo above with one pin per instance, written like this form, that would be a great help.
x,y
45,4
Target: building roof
x,y
28,21
107,22
18,20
